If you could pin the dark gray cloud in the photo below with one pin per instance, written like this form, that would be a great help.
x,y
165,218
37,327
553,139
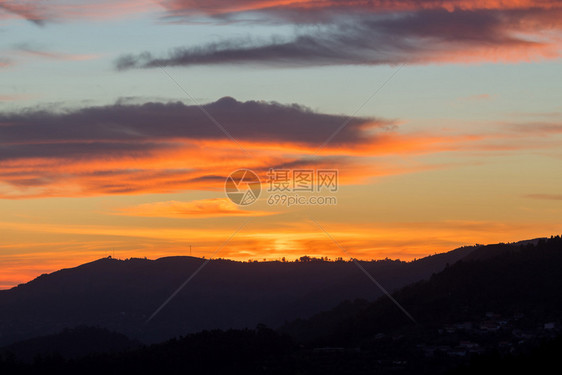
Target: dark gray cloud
x,y
314,11
119,130
407,37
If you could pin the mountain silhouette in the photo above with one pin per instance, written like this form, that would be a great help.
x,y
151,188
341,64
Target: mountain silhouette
x,y
121,295
509,280
497,308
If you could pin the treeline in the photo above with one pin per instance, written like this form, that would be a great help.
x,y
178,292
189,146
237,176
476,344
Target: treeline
x,y
309,259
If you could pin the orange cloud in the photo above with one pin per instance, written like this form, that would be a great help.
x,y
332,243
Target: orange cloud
x,y
217,207
205,165
77,153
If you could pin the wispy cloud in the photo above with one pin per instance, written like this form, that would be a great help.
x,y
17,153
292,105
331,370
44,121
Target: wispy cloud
x,y
14,97
4,62
318,11
217,207
477,98
539,128
374,33
30,50
552,197
29,10
41,13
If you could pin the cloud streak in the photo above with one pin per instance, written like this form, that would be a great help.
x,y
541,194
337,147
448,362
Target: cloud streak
x,y
28,10
38,52
41,14
417,37
217,207
292,8
14,97
551,197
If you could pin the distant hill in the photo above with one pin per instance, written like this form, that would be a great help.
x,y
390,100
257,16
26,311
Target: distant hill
x,y
121,294
71,344
506,279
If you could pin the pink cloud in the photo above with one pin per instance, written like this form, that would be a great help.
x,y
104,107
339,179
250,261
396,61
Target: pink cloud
x,y
477,98
41,13
30,51
16,97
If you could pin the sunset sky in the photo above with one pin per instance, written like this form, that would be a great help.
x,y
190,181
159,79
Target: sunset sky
x,y
120,121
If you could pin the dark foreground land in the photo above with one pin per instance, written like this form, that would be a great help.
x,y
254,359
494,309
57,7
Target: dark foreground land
x,y
498,310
